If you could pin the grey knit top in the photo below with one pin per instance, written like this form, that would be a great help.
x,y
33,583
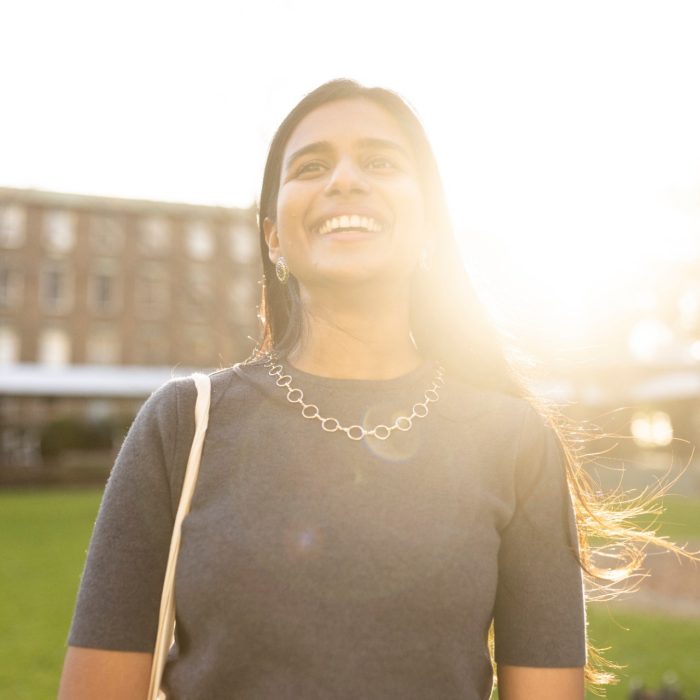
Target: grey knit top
x,y
313,566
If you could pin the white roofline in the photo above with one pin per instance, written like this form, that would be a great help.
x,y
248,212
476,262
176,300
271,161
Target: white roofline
x,y
88,381
121,204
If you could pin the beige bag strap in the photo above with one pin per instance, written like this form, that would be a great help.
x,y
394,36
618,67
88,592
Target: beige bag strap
x,y
166,619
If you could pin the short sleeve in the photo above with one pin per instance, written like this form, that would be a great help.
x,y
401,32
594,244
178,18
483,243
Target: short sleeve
x,y
539,614
119,596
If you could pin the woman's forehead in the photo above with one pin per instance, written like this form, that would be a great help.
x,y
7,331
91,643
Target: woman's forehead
x,y
345,122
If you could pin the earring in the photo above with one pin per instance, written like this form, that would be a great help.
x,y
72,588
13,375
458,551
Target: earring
x,y
282,270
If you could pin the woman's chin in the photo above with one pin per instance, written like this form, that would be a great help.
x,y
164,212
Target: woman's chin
x,y
352,276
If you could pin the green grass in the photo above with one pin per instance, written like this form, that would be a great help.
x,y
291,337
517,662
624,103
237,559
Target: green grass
x,y
681,520
43,539
649,646
44,535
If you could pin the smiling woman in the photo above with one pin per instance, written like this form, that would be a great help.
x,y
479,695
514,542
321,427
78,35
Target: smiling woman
x,y
376,491
350,206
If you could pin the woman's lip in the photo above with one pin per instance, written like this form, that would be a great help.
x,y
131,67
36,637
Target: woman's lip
x,y
350,235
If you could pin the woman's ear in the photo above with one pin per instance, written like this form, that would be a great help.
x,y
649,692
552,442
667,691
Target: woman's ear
x,y
271,238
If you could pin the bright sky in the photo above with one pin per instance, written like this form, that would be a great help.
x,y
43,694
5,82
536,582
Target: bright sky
x,y
567,132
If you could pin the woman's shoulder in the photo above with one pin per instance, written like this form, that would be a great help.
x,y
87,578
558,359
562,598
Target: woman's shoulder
x,y
178,394
464,400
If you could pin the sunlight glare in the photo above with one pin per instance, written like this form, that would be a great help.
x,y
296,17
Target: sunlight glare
x,y
648,339
652,429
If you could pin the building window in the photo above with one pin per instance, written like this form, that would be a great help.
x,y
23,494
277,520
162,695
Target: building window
x,y
199,291
152,346
9,346
243,244
54,347
98,410
19,446
106,235
12,226
102,347
152,290
154,235
104,289
200,240
56,288
59,231
11,286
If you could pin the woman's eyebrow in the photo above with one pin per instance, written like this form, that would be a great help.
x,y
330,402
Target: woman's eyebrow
x,y
383,144
327,146
316,146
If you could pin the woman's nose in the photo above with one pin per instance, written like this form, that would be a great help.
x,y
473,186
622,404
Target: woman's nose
x,y
346,176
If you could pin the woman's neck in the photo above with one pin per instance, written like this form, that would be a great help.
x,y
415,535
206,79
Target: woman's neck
x,y
356,335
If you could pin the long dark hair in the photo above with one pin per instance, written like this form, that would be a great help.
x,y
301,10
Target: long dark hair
x,y
448,322
449,325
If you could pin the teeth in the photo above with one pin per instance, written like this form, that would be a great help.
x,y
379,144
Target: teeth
x,y
346,221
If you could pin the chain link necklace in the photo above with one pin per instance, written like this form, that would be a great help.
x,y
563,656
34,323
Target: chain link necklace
x,y
355,432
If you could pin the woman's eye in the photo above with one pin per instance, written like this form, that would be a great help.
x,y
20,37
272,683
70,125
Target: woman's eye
x,y
381,163
313,166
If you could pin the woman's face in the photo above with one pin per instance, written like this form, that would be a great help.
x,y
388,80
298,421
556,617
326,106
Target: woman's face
x,y
350,206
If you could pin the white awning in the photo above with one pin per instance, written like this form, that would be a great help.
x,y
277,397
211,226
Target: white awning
x,y
90,381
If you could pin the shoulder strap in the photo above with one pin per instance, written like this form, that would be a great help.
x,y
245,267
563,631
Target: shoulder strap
x,y
166,619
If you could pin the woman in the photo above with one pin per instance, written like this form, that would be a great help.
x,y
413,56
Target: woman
x,y
375,489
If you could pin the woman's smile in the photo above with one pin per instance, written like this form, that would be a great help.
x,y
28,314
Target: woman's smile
x,y
350,205
350,222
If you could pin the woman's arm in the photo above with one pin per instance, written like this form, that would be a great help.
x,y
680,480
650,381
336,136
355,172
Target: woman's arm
x,y
539,612
121,587
525,683
108,675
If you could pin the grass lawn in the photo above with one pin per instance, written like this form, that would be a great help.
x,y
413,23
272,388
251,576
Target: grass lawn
x,y
44,535
649,646
681,521
43,539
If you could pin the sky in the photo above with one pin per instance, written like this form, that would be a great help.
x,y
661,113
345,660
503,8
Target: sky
x,y
566,132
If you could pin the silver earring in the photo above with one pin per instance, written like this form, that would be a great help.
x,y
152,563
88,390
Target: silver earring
x,y
282,270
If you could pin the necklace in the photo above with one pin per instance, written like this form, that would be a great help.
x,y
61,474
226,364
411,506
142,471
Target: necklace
x,y
355,432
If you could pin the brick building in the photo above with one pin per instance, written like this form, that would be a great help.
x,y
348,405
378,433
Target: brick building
x,y
101,300
95,280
